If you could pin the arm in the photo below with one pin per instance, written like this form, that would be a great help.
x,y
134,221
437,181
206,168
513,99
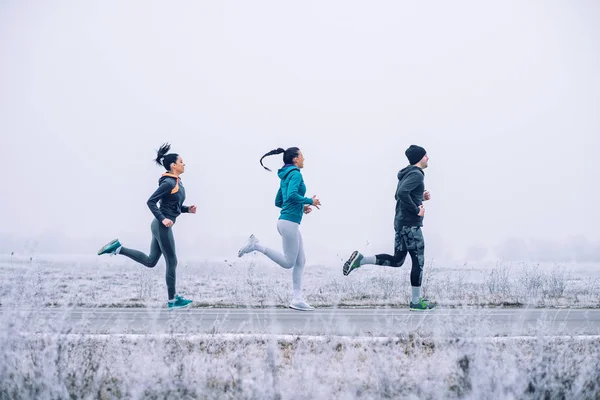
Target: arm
x,y
292,190
164,188
279,199
188,209
404,189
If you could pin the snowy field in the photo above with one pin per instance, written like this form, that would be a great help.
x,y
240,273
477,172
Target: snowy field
x,y
246,367
65,366
255,281
470,365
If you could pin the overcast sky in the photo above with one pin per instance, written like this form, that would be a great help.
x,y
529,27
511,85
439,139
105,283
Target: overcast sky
x,y
504,96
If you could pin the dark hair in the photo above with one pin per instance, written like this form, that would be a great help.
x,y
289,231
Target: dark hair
x,y
167,159
288,155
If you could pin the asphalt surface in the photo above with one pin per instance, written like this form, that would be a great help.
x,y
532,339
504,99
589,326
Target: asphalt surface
x,y
472,322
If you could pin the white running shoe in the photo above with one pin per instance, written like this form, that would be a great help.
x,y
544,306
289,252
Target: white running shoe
x,y
248,246
301,305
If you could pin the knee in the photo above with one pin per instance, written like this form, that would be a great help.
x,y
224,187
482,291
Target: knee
x,y
398,261
172,262
418,261
152,263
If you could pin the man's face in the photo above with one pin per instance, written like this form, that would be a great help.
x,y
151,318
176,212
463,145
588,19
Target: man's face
x,y
424,162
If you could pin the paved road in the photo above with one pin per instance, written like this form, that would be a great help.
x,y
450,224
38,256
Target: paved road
x,y
363,321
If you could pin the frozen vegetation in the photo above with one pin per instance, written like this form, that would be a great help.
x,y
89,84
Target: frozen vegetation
x,y
255,281
58,364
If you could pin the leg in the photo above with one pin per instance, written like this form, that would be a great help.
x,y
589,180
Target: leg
x,y
166,242
298,269
298,302
289,232
400,252
416,249
150,260
386,260
357,260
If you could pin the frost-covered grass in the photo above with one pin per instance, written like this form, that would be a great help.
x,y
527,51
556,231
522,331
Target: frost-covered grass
x,y
66,366
256,281
464,361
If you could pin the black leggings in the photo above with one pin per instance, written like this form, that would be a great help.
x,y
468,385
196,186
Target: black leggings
x,y
409,240
162,243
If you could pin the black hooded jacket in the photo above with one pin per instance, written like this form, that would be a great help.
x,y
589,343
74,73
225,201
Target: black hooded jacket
x,y
409,196
171,195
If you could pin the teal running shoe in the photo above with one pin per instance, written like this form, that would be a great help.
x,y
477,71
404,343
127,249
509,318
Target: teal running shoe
x,y
110,248
179,302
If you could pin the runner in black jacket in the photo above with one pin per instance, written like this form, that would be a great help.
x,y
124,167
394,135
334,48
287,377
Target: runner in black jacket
x,y
410,194
171,195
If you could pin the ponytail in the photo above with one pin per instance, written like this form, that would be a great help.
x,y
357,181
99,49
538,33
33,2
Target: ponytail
x,y
162,152
288,155
271,153
163,158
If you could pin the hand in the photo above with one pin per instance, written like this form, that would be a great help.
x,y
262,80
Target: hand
x,y
192,209
316,202
426,195
167,222
307,209
421,211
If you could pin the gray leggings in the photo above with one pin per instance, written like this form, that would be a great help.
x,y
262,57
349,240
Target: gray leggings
x,y
293,252
162,243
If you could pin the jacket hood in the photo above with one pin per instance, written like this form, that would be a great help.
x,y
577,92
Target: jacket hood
x,y
168,175
407,170
285,171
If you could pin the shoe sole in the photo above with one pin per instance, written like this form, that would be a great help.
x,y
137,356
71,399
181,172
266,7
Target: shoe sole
x,y
300,308
423,309
178,307
346,269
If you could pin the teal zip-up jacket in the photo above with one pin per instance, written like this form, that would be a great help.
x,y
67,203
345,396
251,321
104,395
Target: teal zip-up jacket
x,y
290,196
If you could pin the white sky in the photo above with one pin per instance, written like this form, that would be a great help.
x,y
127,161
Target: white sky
x,y
503,95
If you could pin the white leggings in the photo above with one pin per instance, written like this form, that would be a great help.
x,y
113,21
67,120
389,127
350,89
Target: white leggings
x,y
293,252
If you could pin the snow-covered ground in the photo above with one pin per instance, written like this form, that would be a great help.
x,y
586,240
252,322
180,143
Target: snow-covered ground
x,y
256,281
64,365
239,367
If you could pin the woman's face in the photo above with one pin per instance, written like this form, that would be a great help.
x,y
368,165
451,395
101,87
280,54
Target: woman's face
x,y
299,160
178,167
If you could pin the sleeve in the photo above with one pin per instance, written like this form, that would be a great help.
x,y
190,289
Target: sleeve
x,y
405,188
292,190
185,209
163,189
279,199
